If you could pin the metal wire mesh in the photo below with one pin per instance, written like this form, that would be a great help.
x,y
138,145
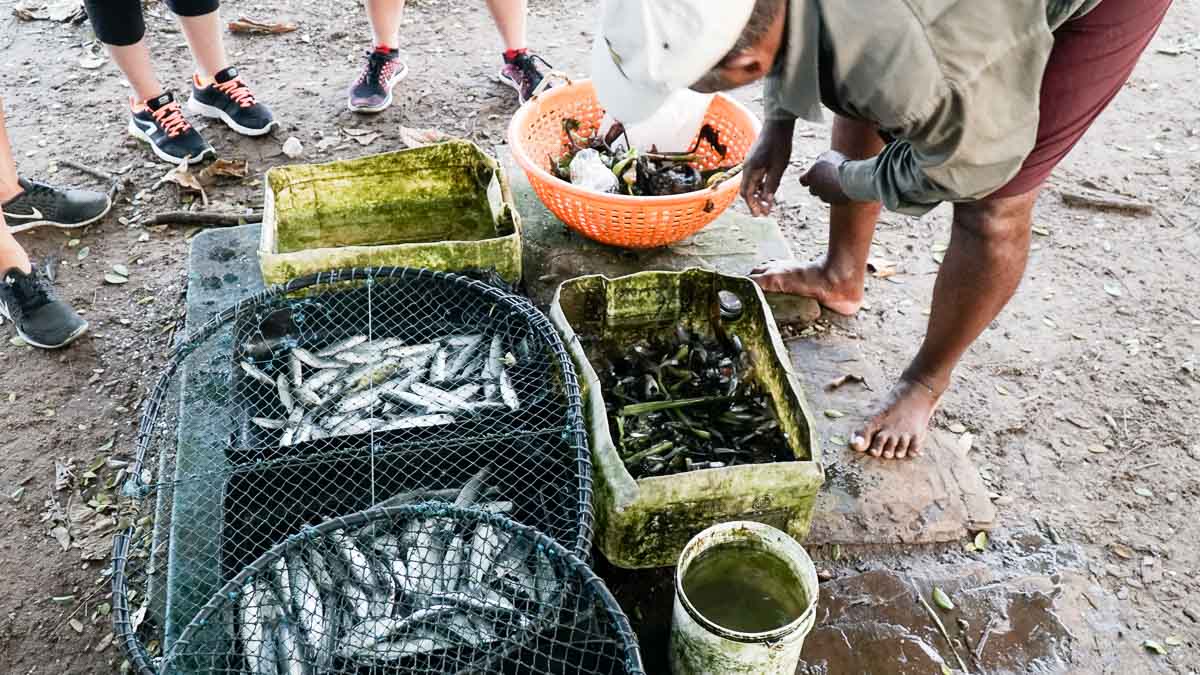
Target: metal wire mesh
x,y
425,588
331,394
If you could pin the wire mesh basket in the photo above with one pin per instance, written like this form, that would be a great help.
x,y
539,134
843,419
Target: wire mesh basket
x,y
425,588
331,394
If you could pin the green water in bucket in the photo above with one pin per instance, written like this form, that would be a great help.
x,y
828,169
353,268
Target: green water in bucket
x,y
744,588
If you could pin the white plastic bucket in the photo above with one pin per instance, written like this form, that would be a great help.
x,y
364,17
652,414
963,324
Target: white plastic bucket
x,y
701,647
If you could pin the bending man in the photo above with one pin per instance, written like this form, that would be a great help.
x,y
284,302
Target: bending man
x,y
969,102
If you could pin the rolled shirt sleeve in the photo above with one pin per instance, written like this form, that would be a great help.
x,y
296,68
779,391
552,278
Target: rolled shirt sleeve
x,y
967,146
965,114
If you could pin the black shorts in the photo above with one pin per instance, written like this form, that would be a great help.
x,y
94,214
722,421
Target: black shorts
x,y
120,22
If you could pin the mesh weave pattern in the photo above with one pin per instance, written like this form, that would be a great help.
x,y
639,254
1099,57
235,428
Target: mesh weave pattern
x,y
413,589
332,394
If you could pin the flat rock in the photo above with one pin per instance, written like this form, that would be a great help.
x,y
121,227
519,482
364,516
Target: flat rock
x,y
937,497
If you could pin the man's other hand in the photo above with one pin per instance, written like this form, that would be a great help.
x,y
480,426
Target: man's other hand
x,y
765,164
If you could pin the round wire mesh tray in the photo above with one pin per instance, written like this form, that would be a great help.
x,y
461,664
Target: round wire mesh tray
x,y
331,394
425,588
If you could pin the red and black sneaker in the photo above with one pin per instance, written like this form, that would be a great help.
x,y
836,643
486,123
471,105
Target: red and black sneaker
x,y
521,72
230,100
372,92
160,122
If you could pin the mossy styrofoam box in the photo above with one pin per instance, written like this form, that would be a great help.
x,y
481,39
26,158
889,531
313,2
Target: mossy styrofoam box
x,y
445,207
646,522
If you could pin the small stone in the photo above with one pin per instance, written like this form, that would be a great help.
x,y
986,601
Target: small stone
x,y
1123,594
1192,613
1003,500
293,148
824,575
1116,571
957,428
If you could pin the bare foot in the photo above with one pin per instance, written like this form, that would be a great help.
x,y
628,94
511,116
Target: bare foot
x,y
811,280
898,430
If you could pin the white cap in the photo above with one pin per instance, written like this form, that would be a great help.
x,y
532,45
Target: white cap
x,y
647,49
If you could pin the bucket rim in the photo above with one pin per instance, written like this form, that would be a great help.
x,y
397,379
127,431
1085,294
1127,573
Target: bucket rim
x,y
765,533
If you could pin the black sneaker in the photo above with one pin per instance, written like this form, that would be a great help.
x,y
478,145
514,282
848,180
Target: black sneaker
x,y
522,73
41,319
42,204
230,100
372,92
160,122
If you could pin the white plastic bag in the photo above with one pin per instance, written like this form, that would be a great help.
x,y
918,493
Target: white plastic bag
x,y
672,128
588,171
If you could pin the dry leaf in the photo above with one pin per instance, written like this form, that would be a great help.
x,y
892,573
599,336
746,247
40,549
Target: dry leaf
x,y
834,414
185,179
366,139
846,379
981,540
1122,551
90,62
880,268
61,535
1143,492
222,168
252,26
837,441
76,625
957,428
115,279
415,138
1154,646
63,473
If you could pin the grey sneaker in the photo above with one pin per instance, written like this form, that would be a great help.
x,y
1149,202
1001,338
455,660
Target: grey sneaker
x,y
42,204
41,319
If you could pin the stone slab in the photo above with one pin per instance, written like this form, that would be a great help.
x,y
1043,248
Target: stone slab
x,y
936,498
733,244
222,269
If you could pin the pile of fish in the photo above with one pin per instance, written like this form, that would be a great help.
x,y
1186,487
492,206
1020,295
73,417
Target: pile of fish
x,y
608,164
684,403
357,385
394,590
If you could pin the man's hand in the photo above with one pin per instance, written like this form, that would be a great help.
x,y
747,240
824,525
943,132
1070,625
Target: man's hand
x,y
823,179
765,164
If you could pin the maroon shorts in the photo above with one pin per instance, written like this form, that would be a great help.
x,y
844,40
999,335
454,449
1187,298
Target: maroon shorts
x,y
1091,59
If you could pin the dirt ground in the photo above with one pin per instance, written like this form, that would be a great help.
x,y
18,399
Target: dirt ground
x,y
1081,398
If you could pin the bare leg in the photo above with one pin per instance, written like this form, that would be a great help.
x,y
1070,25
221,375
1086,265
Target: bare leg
x,y
385,16
509,16
204,39
134,62
989,246
11,253
837,280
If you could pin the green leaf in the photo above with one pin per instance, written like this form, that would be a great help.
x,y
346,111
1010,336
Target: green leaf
x,y
941,599
1113,288
838,441
1154,646
834,414
981,540
946,670
121,269
1173,641
1143,492
83,253
114,278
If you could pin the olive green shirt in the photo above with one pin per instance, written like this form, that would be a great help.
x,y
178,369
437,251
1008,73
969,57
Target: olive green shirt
x,y
954,82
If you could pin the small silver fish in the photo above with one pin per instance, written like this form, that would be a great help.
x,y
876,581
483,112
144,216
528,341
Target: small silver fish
x,y
363,400
342,345
415,352
358,600
486,544
265,423
357,563
363,426
421,641
309,398
464,340
466,392
418,422
441,397
322,379
463,358
508,393
297,371
419,401
254,372
313,361
438,370
491,369
373,374
452,562
285,392
250,603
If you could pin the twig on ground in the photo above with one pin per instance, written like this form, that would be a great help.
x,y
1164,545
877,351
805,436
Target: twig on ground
x,y
983,638
941,627
203,218
1102,202
115,182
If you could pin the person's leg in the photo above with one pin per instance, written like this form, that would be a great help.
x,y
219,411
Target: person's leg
x,y
989,245
11,253
201,24
121,28
1092,58
385,17
509,16
837,280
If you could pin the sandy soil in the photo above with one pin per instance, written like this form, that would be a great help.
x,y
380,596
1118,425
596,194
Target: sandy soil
x,y
1082,397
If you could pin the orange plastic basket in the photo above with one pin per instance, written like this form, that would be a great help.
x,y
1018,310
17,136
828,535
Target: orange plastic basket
x,y
536,135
